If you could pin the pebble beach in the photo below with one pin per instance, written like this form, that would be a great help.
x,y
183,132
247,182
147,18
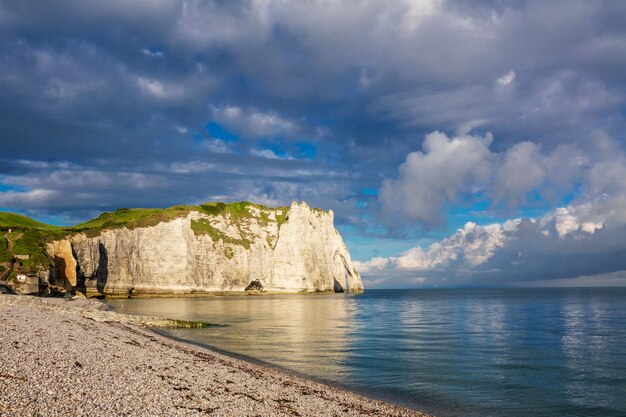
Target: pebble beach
x,y
72,358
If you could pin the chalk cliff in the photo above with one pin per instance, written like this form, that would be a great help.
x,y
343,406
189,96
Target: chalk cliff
x,y
290,249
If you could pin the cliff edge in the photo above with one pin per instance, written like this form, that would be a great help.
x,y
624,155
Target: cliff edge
x,y
211,248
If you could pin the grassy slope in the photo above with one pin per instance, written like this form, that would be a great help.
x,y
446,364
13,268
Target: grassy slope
x,y
12,220
5,255
29,237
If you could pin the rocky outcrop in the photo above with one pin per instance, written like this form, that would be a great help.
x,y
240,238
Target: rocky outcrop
x,y
295,249
64,262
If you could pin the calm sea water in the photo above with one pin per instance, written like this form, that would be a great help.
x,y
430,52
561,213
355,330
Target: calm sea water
x,y
494,352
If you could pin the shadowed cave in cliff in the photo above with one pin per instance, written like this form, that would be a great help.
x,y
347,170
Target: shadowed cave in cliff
x,y
101,276
254,285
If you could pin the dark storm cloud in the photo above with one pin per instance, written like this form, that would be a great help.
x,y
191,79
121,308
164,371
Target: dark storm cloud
x,y
115,96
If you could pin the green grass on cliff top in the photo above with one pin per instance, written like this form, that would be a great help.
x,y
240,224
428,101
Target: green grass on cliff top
x,y
133,218
12,220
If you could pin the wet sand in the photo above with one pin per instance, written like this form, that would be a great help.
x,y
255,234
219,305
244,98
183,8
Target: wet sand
x,y
70,358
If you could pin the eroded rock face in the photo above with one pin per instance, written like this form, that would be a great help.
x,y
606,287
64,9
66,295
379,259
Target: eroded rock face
x,y
64,263
199,253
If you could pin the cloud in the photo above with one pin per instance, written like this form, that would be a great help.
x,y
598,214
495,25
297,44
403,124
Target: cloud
x,y
265,153
438,175
25,198
582,238
462,169
559,246
152,53
524,169
216,145
160,89
507,79
253,122
42,188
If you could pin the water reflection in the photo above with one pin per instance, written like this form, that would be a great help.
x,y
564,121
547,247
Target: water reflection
x,y
295,332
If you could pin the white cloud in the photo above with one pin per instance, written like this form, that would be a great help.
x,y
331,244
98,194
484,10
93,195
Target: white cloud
x,y
25,198
521,171
264,153
193,167
253,122
216,146
564,244
428,179
468,126
470,246
152,54
377,263
159,89
524,168
450,169
270,154
152,86
417,11
507,79
50,184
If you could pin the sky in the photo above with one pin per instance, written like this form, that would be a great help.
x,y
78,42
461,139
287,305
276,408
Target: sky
x,y
459,143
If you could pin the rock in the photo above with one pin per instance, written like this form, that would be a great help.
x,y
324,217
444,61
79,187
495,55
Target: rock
x,y
254,286
64,262
294,251
25,284
55,291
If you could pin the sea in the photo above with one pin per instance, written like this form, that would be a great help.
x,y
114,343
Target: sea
x,y
449,352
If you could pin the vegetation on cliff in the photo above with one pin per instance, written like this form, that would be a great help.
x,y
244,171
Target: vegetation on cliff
x,y
133,218
23,240
12,220
5,254
239,214
23,245
203,227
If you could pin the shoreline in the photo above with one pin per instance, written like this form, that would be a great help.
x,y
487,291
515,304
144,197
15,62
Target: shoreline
x,y
209,294
364,392
73,358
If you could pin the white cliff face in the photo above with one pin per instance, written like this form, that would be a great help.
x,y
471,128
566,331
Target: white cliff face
x,y
203,253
